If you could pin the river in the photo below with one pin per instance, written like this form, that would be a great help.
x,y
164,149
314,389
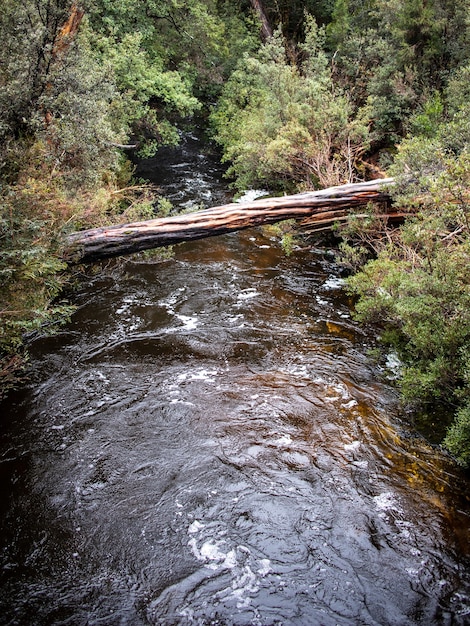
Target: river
x,y
208,442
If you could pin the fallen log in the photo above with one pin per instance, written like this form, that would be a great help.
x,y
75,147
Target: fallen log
x,y
92,245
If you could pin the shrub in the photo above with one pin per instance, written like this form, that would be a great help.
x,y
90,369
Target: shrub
x,y
284,125
418,286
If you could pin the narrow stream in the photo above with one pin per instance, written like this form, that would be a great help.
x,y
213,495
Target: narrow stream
x,y
208,443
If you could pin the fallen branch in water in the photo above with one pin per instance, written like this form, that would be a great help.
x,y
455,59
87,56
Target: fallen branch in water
x,y
99,243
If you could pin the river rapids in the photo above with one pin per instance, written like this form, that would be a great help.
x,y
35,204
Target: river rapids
x,y
208,442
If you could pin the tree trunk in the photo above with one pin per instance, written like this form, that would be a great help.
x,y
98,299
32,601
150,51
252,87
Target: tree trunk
x,y
323,207
266,30
63,39
68,31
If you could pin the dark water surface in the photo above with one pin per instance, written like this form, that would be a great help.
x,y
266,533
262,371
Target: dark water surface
x,y
207,442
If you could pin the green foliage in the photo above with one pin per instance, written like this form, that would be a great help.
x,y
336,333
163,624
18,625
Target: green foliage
x,y
339,28
78,130
418,286
458,437
284,232
298,112
426,298
56,91
289,15
286,126
127,69
31,277
391,54
458,90
77,80
197,39
423,302
28,37
424,122
147,94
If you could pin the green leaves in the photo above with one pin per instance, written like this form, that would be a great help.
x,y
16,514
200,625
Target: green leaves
x,y
424,306
458,437
418,287
30,278
146,94
73,87
286,126
393,55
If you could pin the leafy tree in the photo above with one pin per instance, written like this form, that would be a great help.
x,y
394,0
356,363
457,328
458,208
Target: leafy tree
x,y
392,54
68,96
285,126
198,39
458,436
79,78
289,15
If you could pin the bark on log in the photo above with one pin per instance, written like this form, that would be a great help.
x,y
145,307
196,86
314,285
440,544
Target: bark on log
x,y
327,205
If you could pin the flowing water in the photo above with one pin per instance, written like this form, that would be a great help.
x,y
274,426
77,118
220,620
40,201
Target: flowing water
x,y
207,442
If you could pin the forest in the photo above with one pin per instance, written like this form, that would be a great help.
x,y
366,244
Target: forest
x,y
298,96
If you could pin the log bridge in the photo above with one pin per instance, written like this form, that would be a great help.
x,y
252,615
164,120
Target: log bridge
x,y
315,210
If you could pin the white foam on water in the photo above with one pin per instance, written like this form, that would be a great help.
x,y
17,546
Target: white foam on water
x,y
284,440
333,282
235,318
340,392
201,374
245,583
219,556
212,554
189,323
169,302
386,502
405,528
361,464
265,567
246,294
252,194
126,304
352,447
299,369
349,405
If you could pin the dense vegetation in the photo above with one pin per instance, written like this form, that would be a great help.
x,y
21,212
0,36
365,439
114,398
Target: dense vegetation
x,y
324,93
78,81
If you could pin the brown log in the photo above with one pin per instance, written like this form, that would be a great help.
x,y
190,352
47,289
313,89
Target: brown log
x,y
327,220
105,242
